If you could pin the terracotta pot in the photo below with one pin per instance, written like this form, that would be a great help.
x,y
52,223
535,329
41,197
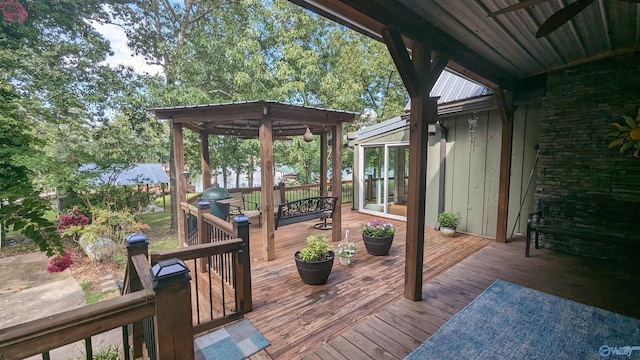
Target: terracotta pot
x,y
314,272
377,246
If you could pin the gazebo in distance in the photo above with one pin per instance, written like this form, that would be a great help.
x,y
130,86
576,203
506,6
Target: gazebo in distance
x,y
263,120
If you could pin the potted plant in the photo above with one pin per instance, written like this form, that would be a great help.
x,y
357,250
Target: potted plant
x,y
449,223
346,250
377,236
315,261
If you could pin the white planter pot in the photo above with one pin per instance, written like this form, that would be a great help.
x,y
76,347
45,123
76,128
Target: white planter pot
x,y
345,260
447,232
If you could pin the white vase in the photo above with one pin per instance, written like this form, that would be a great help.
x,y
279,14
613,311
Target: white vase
x,y
345,260
447,232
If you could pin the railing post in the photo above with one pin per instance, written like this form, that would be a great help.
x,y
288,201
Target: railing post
x,y
173,320
282,194
241,230
136,244
203,234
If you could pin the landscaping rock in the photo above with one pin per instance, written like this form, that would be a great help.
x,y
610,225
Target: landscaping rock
x,y
99,249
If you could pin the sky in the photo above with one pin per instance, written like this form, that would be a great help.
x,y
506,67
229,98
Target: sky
x,y
122,54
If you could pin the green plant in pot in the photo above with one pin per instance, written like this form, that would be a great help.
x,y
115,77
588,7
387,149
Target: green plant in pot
x,y
449,222
315,261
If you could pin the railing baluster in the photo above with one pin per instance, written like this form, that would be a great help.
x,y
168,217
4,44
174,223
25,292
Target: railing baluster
x,y
210,288
45,356
195,266
88,348
150,337
125,342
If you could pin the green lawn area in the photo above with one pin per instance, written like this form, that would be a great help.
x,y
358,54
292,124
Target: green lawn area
x,y
167,198
159,235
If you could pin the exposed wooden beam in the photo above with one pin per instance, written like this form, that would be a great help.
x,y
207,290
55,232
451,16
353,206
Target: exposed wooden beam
x,y
181,186
266,177
423,110
437,66
400,56
324,152
370,17
336,180
507,110
205,160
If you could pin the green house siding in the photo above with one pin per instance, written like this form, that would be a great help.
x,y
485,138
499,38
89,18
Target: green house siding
x,y
473,167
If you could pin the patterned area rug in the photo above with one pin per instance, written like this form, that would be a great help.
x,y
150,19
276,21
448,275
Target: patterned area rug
x,y
509,321
236,341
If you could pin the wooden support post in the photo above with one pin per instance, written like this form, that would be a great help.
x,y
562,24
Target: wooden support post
x,y
181,186
203,235
266,159
507,110
336,180
173,324
323,163
205,160
136,244
245,294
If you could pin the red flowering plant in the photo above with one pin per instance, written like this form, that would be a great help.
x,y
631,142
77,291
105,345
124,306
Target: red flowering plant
x,y
71,223
13,11
60,263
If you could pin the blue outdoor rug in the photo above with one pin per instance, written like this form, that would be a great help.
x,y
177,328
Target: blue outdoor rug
x,y
509,321
236,341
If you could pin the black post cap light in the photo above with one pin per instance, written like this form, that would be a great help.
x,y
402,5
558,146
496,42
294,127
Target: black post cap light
x,y
136,240
169,272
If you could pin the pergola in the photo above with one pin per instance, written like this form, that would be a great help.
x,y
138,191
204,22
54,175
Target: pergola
x,y
264,120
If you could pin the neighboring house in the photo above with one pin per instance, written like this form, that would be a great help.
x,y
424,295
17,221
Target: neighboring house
x,y
467,138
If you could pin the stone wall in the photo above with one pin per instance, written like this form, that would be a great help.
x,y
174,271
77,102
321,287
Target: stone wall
x,y
594,191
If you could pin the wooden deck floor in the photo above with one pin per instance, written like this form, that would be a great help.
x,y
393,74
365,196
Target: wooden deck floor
x,y
361,312
296,317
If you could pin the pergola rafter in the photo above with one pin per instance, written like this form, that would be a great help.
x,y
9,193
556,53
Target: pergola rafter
x,y
266,121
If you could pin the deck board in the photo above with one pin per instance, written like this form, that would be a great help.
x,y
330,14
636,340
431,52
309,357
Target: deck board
x,y
361,312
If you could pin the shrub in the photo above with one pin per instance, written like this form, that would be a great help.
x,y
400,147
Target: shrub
x,y
449,219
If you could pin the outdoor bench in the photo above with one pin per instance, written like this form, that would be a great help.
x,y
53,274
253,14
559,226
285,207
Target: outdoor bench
x,y
320,207
537,225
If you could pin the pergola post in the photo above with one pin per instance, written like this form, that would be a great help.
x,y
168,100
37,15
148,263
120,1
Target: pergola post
x,y
507,110
205,160
323,163
266,159
336,180
181,182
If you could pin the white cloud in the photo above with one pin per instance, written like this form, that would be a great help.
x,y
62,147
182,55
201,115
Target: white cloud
x,y
122,54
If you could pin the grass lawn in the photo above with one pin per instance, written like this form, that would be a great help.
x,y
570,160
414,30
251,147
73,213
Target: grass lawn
x,y
159,235
167,200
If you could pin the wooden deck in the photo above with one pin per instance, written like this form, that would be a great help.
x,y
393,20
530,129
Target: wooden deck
x,y
361,312
296,317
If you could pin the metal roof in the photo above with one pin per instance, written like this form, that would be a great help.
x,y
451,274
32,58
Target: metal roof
x,y
451,87
136,174
499,50
463,106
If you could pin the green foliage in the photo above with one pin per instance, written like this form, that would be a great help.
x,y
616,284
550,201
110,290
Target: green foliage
x,y
449,219
92,297
111,352
317,248
115,225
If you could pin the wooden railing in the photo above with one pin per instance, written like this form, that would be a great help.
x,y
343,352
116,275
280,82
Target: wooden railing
x,y
155,311
292,193
232,268
42,335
